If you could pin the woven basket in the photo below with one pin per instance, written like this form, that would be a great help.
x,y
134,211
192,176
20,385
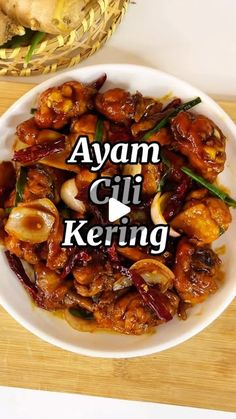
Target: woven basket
x,y
57,52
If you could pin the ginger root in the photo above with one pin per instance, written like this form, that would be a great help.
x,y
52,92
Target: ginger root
x,y
9,28
50,16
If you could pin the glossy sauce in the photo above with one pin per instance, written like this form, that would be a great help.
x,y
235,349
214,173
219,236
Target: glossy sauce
x,y
34,222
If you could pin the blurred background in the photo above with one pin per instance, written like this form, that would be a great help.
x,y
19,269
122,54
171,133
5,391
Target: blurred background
x,y
192,39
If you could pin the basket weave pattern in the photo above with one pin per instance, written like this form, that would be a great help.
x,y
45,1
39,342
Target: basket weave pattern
x,y
57,52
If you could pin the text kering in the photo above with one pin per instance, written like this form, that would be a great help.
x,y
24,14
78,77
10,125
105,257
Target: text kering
x,y
77,234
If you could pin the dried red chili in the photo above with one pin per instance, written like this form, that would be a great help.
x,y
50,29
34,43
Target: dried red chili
x,y
157,301
76,256
175,103
98,83
17,267
39,151
176,201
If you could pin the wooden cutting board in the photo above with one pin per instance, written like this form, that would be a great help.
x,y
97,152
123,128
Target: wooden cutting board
x,y
200,372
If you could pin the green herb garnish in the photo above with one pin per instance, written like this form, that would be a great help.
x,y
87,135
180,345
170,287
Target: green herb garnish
x,y
222,230
165,161
163,180
20,185
81,313
99,131
212,188
65,212
166,120
8,210
33,110
37,38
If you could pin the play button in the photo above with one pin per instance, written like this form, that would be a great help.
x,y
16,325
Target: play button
x,y
117,210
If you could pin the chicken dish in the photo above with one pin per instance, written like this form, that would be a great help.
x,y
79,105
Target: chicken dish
x,y
122,289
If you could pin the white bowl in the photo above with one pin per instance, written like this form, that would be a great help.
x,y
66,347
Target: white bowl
x,y
56,331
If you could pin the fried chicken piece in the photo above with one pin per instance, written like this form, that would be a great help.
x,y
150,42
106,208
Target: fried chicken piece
x,y
93,279
27,251
43,182
164,137
129,313
151,177
29,133
196,270
83,182
121,107
52,291
7,182
58,105
85,125
73,299
57,256
135,254
150,119
202,142
203,217
115,133
117,105
145,107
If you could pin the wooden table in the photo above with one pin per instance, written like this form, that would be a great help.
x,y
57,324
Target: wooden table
x,y
200,372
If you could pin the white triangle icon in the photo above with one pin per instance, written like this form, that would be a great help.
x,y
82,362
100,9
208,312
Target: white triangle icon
x,y
117,210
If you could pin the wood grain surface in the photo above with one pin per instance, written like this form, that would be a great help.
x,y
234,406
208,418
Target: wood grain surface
x,y
200,372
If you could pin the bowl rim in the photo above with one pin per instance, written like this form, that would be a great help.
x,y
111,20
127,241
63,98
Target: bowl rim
x,y
130,353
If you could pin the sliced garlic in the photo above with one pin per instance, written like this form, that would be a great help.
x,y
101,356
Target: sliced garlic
x,y
47,280
33,221
154,273
29,225
132,169
69,191
217,133
157,207
42,204
122,282
80,324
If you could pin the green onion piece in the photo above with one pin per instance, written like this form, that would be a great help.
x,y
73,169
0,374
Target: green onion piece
x,y
212,188
165,161
139,216
65,212
20,185
81,313
166,120
33,110
37,38
163,179
99,131
222,231
8,210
